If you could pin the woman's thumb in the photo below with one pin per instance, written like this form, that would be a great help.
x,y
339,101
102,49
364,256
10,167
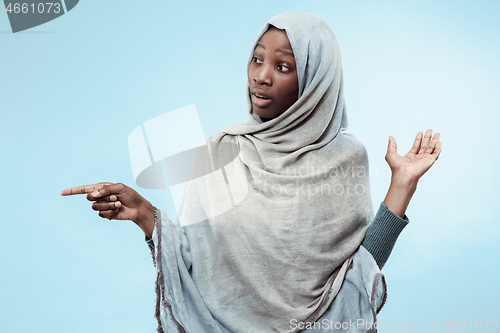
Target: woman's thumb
x,y
392,147
102,191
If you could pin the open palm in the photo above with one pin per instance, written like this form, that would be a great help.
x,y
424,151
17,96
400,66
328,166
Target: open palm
x,y
419,159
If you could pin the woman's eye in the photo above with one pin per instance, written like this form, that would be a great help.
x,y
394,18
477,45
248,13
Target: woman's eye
x,y
257,60
283,68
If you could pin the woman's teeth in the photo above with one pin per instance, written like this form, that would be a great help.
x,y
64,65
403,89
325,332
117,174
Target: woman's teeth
x,y
260,97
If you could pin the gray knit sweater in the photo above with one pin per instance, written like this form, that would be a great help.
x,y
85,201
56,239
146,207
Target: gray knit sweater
x,y
383,233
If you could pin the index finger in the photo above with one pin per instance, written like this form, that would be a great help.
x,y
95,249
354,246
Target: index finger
x,y
83,189
416,144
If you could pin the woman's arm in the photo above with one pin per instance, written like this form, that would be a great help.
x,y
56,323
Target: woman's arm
x,y
406,171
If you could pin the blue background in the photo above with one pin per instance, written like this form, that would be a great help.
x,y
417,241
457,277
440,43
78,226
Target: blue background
x,y
73,89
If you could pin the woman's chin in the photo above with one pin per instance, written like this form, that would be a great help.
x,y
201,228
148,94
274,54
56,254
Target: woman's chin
x,y
264,117
261,113
266,113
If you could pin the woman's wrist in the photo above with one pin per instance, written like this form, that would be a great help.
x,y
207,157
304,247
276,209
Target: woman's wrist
x,y
403,179
400,192
146,218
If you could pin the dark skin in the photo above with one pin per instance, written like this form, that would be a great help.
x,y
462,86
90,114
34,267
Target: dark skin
x,y
273,76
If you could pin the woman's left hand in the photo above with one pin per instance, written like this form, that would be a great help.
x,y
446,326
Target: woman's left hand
x,y
419,159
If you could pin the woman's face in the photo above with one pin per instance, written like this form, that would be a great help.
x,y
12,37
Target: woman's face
x,y
272,75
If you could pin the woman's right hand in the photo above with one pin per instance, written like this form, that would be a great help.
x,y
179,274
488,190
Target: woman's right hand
x,y
118,202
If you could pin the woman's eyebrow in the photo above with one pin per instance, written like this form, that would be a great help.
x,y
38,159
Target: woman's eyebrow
x,y
289,53
285,52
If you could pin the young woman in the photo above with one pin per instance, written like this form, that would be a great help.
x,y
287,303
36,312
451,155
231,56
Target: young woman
x,y
287,258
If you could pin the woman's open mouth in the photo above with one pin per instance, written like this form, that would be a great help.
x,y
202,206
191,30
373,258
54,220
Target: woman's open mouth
x,y
260,100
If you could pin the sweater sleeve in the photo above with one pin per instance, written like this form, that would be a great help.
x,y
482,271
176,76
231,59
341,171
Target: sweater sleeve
x,y
383,233
149,241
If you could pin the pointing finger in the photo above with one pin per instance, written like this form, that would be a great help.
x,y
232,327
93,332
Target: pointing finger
x,y
83,189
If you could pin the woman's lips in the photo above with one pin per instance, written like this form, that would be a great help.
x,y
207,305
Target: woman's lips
x,y
260,101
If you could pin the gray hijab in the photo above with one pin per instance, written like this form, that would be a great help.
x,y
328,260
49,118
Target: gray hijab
x,y
299,210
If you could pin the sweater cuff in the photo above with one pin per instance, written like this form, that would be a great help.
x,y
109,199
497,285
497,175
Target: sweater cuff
x,y
383,233
149,241
393,218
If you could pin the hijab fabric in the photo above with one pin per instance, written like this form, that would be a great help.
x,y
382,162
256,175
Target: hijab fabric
x,y
281,253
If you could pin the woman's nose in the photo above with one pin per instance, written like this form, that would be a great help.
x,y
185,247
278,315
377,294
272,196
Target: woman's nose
x,y
263,75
